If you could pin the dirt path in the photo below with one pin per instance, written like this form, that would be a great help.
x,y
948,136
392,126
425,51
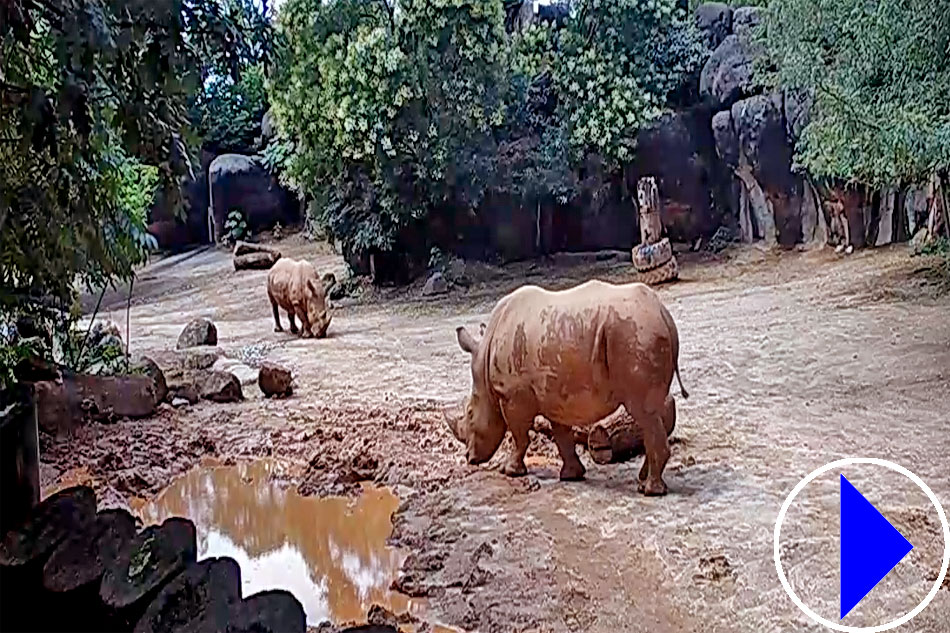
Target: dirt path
x,y
791,360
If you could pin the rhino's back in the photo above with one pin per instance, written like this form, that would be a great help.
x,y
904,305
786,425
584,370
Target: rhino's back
x,y
553,344
288,277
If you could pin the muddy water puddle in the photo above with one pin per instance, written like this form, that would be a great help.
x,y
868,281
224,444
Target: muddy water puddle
x,y
330,553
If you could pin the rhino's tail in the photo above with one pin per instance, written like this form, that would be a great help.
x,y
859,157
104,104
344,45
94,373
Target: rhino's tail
x,y
680,381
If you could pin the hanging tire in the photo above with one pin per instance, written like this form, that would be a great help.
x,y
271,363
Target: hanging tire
x,y
651,256
667,272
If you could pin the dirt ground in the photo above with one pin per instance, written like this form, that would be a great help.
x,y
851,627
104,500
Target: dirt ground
x,y
792,360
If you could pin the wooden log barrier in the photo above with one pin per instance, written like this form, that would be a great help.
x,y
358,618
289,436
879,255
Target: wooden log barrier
x,y
144,567
73,574
204,598
25,550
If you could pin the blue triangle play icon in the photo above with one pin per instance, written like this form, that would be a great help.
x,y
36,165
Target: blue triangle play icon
x,y
870,547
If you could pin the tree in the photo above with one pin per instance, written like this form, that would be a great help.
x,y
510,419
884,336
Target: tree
x,y
387,105
93,97
879,73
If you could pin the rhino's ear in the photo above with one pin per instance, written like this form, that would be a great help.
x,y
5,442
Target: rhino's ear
x,y
481,329
466,341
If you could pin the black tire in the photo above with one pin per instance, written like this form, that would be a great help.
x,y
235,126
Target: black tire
x,y
667,272
648,257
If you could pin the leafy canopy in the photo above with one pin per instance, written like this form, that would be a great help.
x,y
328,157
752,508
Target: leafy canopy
x,y
880,75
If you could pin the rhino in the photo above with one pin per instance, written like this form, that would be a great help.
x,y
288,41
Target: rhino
x,y
573,356
294,286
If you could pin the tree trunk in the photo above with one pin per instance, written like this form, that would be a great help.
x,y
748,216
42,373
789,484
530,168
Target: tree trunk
x,y
19,460
246,248
205,597
155,557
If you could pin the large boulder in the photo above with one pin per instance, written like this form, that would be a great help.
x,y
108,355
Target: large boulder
x,y
63,405
148,367
241,183
714,19
727,75
175,228
217,386
198,332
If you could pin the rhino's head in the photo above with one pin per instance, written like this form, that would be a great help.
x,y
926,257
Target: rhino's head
x,y
317,311
479,425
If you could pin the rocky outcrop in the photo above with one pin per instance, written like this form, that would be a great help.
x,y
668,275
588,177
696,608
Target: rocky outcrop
x,y
241,183
745,20
727,75
173,230
714,19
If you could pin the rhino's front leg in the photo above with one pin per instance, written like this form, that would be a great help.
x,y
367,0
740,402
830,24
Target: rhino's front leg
x,y
572,469
519,419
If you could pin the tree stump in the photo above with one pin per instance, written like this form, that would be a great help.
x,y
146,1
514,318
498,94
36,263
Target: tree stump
x,y
651,224
255,261
24,551
145,566
618,438
74,571
205,597
274,611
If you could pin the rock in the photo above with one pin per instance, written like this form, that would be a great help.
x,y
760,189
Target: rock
x,y
148,367
242,183
435,285
60,405
797,112
181,402
745,20
268,125
202,357
727,141
171,231
198,332
727,75
245,374
103,331
275,380
216,386
714,19
255,261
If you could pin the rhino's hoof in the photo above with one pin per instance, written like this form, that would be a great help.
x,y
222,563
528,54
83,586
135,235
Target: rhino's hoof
x,y
573,473
652,488
514,469
278,329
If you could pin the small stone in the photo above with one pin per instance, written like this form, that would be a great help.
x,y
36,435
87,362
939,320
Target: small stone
x,y
247,375
275,380
180,402
435,285
198,332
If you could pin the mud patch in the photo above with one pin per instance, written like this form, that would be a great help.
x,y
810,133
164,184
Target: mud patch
x,y
330,553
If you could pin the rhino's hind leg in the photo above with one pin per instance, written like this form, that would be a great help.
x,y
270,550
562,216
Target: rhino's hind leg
x,y
572,469
657,450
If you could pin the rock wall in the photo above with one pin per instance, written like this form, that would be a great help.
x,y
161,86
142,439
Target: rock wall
x,y
238,182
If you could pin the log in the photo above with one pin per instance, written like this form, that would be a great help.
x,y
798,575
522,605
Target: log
x,y
274,611
651,224
255,261
19,461
150,561
25,549
83,557
246,248
618,437
204,597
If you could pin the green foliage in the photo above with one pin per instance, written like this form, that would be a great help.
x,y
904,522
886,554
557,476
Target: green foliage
x,y
93,116
880,75
393,111
227,114
235,226
387,106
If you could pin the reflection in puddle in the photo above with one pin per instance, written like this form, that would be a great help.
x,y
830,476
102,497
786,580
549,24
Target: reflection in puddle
x,y
330,553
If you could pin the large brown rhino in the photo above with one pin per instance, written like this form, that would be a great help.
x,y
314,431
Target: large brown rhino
x,y
572,356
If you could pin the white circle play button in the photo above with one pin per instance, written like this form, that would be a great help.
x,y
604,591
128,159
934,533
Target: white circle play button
x,y
869,546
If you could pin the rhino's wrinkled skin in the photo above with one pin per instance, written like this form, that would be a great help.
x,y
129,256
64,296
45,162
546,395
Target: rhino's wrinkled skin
x,y
572,356
295,287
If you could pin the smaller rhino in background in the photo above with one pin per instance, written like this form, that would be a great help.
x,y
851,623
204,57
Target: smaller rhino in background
x,y
294,286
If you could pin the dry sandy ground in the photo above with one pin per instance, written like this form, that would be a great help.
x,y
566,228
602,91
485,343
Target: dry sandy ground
x,y
792,360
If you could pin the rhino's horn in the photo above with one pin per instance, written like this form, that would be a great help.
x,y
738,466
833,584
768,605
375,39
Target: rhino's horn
x,y
452,421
